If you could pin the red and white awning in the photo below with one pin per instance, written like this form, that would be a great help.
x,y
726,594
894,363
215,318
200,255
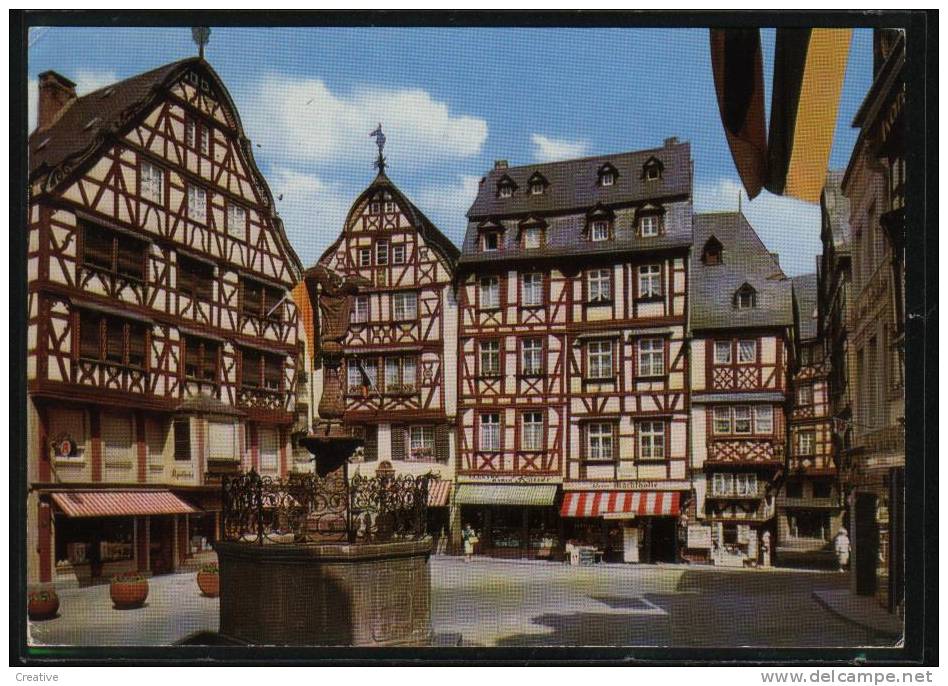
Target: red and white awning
x,y
120,503
438,492
601,503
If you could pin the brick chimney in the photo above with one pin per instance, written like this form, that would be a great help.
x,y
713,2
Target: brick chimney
x,y
56,93
669,142
500,164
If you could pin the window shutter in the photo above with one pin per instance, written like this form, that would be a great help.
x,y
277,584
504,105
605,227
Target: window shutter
x,y
371,449
615,442
182,439
399,443
442,450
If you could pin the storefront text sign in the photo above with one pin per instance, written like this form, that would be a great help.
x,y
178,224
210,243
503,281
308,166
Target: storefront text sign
x,y
632,485
507,479
699,536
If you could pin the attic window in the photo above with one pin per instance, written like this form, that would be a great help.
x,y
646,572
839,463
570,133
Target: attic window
x,y
491,241
607,174
532,237
599,230
745,298
536,188
652,169
607,179
712,252
537,184
649,225
505,187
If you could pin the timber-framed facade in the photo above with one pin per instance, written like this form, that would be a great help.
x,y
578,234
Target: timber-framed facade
x,y
162,346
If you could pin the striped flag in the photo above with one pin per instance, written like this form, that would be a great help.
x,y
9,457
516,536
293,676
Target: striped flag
x,y
809,67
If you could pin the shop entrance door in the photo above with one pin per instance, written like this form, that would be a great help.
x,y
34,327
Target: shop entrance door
x,y
663,543
867,543
161,537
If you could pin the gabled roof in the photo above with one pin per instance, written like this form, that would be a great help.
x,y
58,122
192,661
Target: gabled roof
x,y
91,122
745,260
429,232
805,294
574,184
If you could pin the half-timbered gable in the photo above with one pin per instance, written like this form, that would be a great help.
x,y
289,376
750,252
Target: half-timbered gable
x,y
401,346
741,350
572,304
161,332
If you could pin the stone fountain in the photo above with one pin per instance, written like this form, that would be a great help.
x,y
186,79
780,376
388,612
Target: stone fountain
x,y
322,559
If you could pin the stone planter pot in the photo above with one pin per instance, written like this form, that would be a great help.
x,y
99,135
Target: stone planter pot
x,y
128,592
42,604
209,582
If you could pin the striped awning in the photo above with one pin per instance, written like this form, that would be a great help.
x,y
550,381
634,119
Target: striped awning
x,y
602,503
439,491
120,503
539,495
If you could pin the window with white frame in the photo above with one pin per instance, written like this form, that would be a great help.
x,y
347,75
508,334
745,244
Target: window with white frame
x,y
360,309
381,253
648,225
746,352
491,241
532,431
536,188
375,207
236,221
205,140
490,432
651,357
532,237
365,257
490,358
153,182
651,440
599,285
355,375
197,204
190,133
763,419
805,442
745,298
805,394
421,443
722,483
607,178
745,484
269,450
742,419
393,374
599,231
532,289
405,305
505,190
398,254
390,207
599,442
532,360
599,359
409,373
722,419
650,281
722,352
490,293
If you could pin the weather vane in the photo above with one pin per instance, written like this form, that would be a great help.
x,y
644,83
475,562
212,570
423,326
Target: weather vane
x,y
201,35
379,141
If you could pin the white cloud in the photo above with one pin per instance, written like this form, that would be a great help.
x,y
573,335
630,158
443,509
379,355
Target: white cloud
x,y
447,205
313,211
787,226
547,149
303,120
86,81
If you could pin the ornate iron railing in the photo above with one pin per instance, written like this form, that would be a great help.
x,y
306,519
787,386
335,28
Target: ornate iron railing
x,y
308,508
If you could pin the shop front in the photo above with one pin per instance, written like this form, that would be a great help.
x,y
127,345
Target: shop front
x,y
512,521
439,523
98,534
623,526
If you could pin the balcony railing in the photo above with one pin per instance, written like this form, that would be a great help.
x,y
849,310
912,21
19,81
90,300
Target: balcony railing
x,y
259,397
109,375
746,451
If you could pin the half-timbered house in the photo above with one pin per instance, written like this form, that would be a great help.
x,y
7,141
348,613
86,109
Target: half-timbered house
x,y
400,353
162,346
741,323
572,365
809,507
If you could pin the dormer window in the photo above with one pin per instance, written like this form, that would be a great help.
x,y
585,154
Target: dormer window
x,y
536,189
653,169
745,298
599,230
649,225
713,252
537,184
505,187
607,174
491,241
532,237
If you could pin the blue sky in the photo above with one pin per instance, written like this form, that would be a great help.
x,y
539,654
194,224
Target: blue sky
x,y
451,101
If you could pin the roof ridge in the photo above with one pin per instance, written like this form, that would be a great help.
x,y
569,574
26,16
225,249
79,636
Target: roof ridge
x,y
573,160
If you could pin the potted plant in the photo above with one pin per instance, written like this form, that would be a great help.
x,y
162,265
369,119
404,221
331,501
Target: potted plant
x,y
43,604
128,590
209,580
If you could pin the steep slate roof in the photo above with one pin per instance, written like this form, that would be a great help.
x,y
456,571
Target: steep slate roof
x,y
745,259
573,190
805,293
835,205
432,235
93,121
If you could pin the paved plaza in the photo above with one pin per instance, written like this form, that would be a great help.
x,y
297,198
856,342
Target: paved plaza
x,y
497,603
